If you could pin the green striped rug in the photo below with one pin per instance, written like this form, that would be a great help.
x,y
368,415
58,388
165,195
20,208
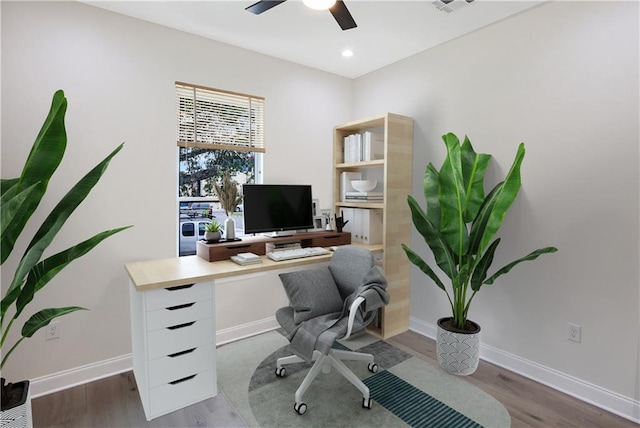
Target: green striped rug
x,y
415,407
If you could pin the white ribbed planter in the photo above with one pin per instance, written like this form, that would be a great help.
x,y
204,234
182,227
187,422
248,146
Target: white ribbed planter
x,y
18,416
458,352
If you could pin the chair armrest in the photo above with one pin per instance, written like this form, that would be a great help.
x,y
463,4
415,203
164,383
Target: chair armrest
x,y
352,315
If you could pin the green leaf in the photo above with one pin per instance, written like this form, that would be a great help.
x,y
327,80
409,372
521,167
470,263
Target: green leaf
x,y
433,238
44,158
44,317
44,271
474,167
461,279
6,184
480,271
531,256
503,200
480,222
431,191
424,267
452,198
52,225
11,204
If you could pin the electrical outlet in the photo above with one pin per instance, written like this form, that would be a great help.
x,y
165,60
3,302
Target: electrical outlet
x,y
575,333
52,331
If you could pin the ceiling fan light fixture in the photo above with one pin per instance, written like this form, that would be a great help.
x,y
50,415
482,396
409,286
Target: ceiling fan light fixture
x,y
319,4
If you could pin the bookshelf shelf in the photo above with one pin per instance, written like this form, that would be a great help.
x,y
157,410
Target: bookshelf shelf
x,y
368,205
357,165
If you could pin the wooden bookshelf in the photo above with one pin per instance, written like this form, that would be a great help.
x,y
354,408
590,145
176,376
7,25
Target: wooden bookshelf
x,y
397,176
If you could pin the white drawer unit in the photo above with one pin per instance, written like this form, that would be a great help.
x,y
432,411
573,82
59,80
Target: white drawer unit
x,y
173,341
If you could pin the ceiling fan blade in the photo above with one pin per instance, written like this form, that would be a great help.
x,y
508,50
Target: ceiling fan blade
x,y
342,15
263,6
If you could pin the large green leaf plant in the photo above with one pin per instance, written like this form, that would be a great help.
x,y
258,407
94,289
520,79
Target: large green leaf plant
x,y
18,201
460,222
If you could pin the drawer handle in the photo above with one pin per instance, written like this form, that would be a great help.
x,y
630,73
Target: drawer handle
x,y
187,324
331,237
235,247
186,305
177,354
179,287
184,379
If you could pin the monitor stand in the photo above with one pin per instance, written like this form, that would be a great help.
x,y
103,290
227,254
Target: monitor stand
x,y
279,233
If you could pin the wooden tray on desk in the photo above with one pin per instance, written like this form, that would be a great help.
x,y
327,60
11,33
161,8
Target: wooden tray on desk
x,y
256,244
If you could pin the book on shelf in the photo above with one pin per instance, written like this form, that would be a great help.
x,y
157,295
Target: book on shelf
x,y
345,183
364,197
372,146
364,194
246,258
365,146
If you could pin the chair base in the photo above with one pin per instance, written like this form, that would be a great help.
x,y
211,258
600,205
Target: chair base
x,y
324,362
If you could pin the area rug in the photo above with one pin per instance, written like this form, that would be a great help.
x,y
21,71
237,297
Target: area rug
x,y
406,391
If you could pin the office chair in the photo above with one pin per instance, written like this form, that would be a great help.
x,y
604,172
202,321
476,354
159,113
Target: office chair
x,y
326,304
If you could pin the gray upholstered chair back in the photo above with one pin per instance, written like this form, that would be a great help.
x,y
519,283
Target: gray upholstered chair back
x,y
348,266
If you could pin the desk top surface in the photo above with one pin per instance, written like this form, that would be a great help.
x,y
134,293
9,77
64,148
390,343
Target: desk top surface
x,y
162,273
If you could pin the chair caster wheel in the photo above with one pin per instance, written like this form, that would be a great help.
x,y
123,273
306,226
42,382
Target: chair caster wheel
x,y
366,403
373,367
301,408
281,372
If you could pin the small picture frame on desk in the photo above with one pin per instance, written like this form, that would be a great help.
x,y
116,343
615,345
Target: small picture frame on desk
x,y
318,222
315,207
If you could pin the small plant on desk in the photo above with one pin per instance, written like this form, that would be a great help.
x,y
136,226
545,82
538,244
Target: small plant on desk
x,y
212,231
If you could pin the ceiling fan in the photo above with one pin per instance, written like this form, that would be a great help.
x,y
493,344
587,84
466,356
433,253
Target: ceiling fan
x,y
337,8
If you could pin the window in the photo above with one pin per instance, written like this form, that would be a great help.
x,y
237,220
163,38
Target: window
x,y
217,131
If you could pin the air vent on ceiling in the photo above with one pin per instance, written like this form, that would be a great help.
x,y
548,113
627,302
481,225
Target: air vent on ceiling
x,y
449,6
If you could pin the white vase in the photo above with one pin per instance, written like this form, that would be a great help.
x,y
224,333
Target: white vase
x,y
230,228
458,352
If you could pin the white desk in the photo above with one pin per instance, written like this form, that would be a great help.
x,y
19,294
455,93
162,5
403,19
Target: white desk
x,y
173,326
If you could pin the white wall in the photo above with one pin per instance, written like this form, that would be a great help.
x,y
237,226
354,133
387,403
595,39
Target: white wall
x,y
563,78
118,74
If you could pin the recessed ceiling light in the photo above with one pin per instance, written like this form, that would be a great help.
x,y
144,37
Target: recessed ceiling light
x,y
347,53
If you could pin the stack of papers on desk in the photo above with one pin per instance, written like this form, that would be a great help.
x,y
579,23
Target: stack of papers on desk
x,y
246,258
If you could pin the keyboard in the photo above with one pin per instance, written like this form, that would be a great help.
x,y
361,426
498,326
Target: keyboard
x,y
296,253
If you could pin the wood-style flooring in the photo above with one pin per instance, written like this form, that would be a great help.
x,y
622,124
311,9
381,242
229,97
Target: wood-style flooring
x,y
114,401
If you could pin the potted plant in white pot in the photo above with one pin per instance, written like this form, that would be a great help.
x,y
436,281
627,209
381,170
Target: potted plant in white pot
x,y
459,224
19,199
230,198
212,231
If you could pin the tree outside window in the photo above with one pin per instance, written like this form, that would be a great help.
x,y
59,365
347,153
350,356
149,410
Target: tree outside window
x,y
218,131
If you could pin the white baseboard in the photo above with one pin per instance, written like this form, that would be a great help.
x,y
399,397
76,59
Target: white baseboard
x,y
246,330
600,397
80,375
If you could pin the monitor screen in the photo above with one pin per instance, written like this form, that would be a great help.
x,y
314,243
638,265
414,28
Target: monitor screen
x,y
277,207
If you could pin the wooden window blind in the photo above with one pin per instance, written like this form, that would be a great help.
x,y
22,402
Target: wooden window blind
x,y
211,118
